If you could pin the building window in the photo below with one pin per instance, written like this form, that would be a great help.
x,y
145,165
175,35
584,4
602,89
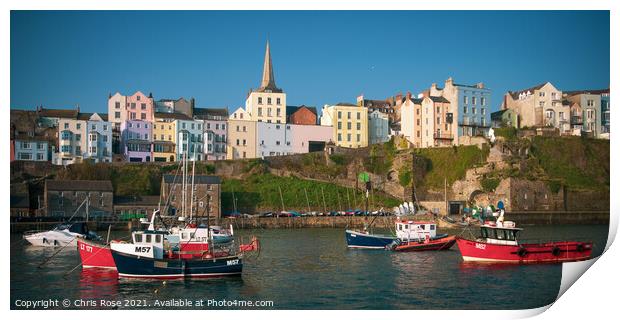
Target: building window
x,y
143,106
143,116
359,126
66,125
117,105
260,112
117,115
473,110
359,137
349,125
359,115
278,101
541,103
260,100
483,101
473,100
78,137
541,94
349,137
465,109
268,100
339,114
40,146
133,105
465,99
340,137
590,103
39,156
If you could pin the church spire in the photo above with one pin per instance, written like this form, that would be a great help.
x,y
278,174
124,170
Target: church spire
x,y
268,81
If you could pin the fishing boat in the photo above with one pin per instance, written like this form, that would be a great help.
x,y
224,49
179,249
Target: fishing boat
x,y
156,254
498,242
365,240
420,236
95,254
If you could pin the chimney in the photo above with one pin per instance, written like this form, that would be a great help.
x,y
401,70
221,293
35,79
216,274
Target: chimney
x,y
109,95
150,95
409,95
434,86
480,85
360,100
449,82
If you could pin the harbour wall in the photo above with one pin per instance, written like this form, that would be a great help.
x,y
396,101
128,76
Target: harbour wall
x,y
521,218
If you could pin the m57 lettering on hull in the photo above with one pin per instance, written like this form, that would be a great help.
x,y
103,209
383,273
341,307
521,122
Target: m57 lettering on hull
x,y
481,246
143,249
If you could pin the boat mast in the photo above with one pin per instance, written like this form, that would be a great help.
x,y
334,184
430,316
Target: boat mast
x,y
191,204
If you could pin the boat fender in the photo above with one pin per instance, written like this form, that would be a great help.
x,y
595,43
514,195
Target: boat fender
x,y
556,251
580,248
522,252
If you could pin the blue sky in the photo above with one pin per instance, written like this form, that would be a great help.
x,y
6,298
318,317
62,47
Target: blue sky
x,y
63,59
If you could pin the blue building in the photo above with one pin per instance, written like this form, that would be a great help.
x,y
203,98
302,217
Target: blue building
x,y
378,127
605,112
470,106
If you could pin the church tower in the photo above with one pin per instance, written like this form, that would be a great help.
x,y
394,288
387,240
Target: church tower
x,y
268,102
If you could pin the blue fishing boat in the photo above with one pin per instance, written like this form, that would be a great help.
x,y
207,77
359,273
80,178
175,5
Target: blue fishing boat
x,y
365,240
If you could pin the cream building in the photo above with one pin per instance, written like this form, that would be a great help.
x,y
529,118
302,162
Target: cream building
x,y
267,103
349,122
539,106
241,136
410,120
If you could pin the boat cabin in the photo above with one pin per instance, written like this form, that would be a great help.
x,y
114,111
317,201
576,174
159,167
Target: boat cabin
x,y
411,230
506,233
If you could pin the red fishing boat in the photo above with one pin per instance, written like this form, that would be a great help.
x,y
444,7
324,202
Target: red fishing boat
x,y
95,254
498,243
426,244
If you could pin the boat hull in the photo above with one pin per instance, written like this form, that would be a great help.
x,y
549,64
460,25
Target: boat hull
x,y
443,243
95,255
367,241
552,252
132,266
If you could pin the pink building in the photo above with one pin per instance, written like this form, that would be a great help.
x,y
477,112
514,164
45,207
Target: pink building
x,y
139,107
309,138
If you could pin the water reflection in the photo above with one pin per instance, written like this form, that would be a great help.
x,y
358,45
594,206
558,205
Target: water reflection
x,y
97,283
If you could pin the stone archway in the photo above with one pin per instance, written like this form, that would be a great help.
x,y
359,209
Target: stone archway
x,y
475,196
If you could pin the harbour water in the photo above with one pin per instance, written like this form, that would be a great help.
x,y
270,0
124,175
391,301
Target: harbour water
x,y
313,269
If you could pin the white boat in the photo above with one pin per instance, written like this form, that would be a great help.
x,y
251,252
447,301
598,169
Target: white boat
x,y
62,235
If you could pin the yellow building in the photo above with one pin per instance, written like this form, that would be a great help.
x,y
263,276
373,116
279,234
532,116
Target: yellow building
x,y
164,140
349,122
241,136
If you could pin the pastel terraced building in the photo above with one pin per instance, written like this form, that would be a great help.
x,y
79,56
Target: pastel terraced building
x,y
215,131
136,139
122,108
164,138
190,139
593,106
378,127
349,124
241,136
87,136
539,106
469,110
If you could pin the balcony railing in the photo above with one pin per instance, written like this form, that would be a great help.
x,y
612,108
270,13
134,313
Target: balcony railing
x,y
443,136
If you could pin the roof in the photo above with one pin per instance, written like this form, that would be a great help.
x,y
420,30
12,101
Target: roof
x,y
515,94
198,179
595,91
346,104
497,115
136,200
292,109
79,185
173,115
206,113
375,103
58,113
439,99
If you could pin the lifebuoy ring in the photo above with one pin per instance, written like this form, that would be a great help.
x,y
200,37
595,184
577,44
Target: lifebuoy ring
x,y
522,252
556,251
580,248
